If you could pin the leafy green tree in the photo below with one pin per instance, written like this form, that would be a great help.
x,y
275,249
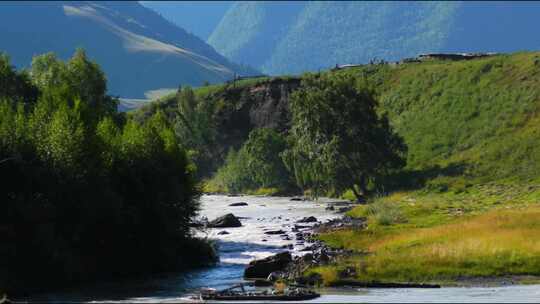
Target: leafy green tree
x,y
79,177
15,86
257,164
79,78
195,127
263,149
338,141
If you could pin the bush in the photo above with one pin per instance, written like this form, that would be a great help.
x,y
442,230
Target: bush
x,y
257,164
385,213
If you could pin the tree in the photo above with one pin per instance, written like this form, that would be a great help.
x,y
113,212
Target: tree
x,y
15,86
194,126
263,149
338,141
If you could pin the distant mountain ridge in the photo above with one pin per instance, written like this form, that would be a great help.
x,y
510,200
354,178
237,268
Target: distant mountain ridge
x,y
197,17
293,37
137,48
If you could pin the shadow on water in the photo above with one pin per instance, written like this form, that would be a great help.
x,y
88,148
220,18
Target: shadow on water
x,y
163,286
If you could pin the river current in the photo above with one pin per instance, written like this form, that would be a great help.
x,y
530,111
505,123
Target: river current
x,y
243,244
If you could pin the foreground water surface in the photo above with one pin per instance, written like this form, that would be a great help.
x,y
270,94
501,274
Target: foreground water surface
x,y
249,242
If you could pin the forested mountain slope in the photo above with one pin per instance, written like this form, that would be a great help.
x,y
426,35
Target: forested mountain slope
x,y
307,36
138,49
197,17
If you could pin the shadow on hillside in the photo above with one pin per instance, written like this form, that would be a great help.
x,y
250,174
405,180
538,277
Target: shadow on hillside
x,y
409,180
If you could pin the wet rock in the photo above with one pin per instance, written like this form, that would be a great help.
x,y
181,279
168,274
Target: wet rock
x,y
238,204
348,272
344,209
309,248
226,221
309,219
271,232
223,232
324,258
330,208
296,199
288,246
264,240
274,276
262,283
285,237
263,268
307,258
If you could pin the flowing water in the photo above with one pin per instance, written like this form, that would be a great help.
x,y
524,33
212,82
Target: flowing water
x,y
243,244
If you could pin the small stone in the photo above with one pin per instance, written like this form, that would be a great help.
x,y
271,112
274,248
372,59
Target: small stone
x,y
275,232
223,232
310,219
238,204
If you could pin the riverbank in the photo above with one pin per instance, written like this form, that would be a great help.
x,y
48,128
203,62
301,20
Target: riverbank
x,y
481,235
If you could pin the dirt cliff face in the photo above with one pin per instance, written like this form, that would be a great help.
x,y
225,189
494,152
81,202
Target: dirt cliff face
x,y
262,105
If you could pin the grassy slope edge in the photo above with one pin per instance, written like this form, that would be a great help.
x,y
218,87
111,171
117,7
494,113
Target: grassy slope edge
x,y
471,210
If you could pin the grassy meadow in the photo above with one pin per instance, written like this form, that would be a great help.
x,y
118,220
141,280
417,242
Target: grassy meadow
x,y
468,208
485,231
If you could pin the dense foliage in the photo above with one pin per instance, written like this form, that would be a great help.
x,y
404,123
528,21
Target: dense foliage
x,y
87,193
338,141
257,164
195,126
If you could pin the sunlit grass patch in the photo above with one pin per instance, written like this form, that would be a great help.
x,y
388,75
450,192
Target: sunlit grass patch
x,y
487,230
501,242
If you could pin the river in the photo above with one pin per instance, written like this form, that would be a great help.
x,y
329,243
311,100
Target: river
x,y
243,244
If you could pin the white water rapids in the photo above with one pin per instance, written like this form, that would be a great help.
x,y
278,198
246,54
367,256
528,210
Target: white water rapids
x,y
249,242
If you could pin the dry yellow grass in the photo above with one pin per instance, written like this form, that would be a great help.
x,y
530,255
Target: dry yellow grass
x,y
500,242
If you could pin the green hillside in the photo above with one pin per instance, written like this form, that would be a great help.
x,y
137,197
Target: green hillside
x,y
312,35
478,116
481,114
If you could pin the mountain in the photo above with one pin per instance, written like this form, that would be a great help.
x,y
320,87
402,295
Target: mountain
x,y
197,17
137,48
293,37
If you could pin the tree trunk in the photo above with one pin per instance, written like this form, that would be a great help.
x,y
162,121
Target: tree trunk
x,y
360,196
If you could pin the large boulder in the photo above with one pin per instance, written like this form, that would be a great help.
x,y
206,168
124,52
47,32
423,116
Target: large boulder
x,y
262,268
226,221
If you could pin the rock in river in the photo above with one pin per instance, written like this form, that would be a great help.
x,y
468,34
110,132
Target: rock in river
x,y
223,232
226,221
262,268
310,219
275,232
238,204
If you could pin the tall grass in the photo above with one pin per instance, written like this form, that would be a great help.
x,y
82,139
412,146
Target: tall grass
x,y
501,242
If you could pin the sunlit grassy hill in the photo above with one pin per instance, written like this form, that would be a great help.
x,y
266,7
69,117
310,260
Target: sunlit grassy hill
x,y
479,117
467,208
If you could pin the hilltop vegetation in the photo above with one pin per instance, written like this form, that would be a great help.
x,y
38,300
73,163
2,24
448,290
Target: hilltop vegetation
x,y
307,36
466,121
86,192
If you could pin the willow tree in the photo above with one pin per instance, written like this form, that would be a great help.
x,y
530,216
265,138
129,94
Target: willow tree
x,y
337,140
